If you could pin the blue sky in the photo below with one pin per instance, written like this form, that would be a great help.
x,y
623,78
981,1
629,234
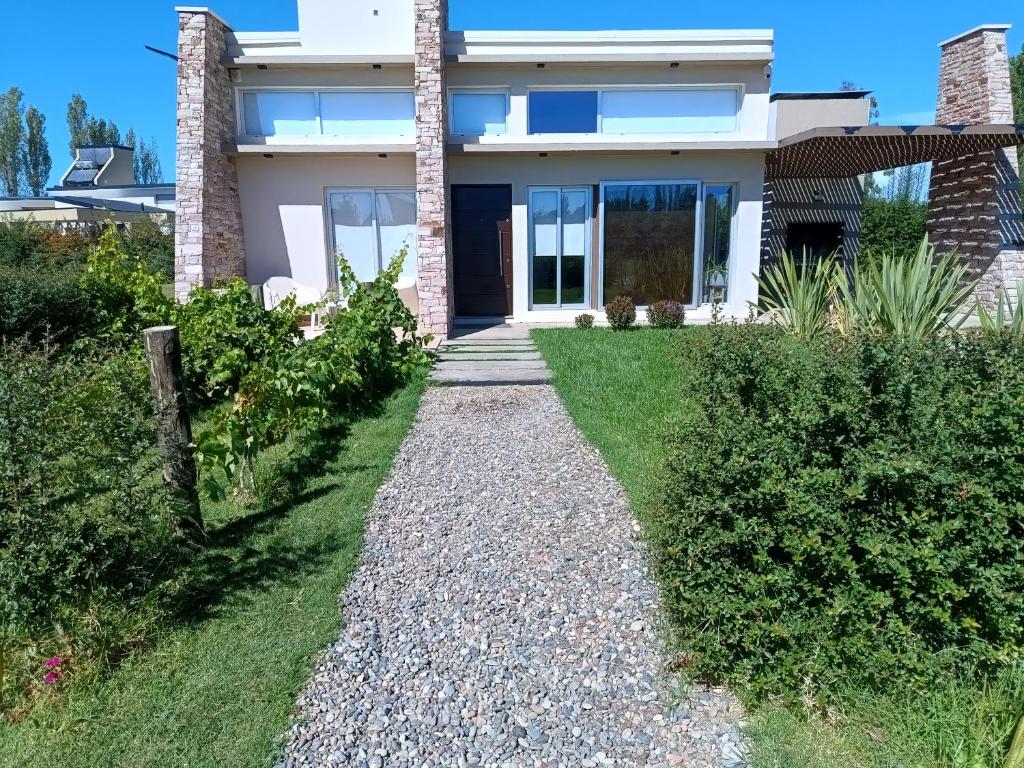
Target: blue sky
x,y
54,48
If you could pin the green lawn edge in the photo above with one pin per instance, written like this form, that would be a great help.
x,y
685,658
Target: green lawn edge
x,y
218,689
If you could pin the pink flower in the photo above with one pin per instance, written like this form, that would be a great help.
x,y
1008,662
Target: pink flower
x,y
51,677
54,662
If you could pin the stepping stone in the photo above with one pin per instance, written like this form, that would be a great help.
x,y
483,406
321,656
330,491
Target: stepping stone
x,y
495,378
491,365
487,342
446,356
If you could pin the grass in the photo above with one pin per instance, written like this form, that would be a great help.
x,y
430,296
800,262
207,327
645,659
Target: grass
x,y
218,687
619,389
622,389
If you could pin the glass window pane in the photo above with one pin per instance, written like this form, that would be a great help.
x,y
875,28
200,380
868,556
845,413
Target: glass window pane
x,y
279,113
544,221
563,112
649,232
717,241
669,111
574,246
477,114
368,113
354,238
396,221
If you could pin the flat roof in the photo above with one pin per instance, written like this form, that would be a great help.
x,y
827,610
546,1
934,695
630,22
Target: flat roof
x,y
853,151
819,95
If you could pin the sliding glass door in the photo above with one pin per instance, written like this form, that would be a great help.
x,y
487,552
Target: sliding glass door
x,y
650,240
560,247
370,226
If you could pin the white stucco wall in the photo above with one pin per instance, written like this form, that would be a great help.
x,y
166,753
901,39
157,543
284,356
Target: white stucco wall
x,y
744,169
383,27
283,209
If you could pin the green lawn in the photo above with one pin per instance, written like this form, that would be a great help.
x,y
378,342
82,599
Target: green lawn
x,y
217,689
622,388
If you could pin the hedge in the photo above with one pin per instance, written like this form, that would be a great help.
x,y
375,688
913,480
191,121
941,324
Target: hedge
x,y
844,510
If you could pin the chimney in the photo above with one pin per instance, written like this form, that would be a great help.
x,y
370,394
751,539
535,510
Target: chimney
x,y
974,201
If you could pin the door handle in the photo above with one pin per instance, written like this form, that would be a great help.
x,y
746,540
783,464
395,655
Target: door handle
x,y
501,255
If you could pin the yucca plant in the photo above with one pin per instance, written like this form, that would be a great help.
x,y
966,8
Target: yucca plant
x,y
1016,757
912,299
799,301
1007,315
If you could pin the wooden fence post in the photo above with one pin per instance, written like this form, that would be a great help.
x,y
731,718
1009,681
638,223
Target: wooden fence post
x,y
174,428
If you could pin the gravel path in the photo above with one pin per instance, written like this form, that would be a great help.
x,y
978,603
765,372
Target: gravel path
x,y
502,615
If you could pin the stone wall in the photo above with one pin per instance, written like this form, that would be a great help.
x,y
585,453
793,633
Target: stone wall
x,y
433,236
208,233
974,202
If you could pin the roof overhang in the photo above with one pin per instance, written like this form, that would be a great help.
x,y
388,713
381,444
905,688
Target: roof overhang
x,y
844,152
625,46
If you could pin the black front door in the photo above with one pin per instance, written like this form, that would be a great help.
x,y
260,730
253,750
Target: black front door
x,y
479,281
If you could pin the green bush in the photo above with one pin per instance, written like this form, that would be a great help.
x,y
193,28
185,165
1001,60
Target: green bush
x,y
621,313
584,321
45,303
845,510
892,227
82,513
224,333
346,371
666,314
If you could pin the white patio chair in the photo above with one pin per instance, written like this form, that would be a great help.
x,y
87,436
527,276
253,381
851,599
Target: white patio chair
x,y
277,289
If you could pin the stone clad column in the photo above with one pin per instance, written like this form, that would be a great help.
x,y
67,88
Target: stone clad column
x,y
433,231
974,202
208,226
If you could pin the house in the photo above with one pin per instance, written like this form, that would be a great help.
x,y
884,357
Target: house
x,y
537,175
98,187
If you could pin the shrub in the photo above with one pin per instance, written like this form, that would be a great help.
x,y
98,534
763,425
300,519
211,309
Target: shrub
x,y
344,372
621,313
126,295
224,333
892,227
82,512
584,321
911,297
799,301
44,303
666,314
845,509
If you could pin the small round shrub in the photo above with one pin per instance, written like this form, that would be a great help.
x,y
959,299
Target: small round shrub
x,y
621,312
583,322
666,314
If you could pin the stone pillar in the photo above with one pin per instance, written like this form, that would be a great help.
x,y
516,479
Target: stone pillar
x,y
433,231
974,201
208,227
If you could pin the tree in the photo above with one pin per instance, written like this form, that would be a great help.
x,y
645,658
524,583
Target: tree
x,y
78,117
37,152
12,140
147,159
871,186
86,130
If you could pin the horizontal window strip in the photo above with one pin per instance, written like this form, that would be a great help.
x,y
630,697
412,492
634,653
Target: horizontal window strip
x,y
370,113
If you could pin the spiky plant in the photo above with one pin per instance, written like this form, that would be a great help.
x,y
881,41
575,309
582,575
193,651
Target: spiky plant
x,y
799,301
1007,315
910,298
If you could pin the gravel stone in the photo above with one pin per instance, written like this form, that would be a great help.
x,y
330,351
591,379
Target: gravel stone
x,y
503,614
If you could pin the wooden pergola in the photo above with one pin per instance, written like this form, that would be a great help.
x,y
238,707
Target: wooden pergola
x,y
845,152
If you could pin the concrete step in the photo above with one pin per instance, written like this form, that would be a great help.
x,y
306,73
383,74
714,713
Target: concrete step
x,y
461,342
491,365
475,377
447,355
